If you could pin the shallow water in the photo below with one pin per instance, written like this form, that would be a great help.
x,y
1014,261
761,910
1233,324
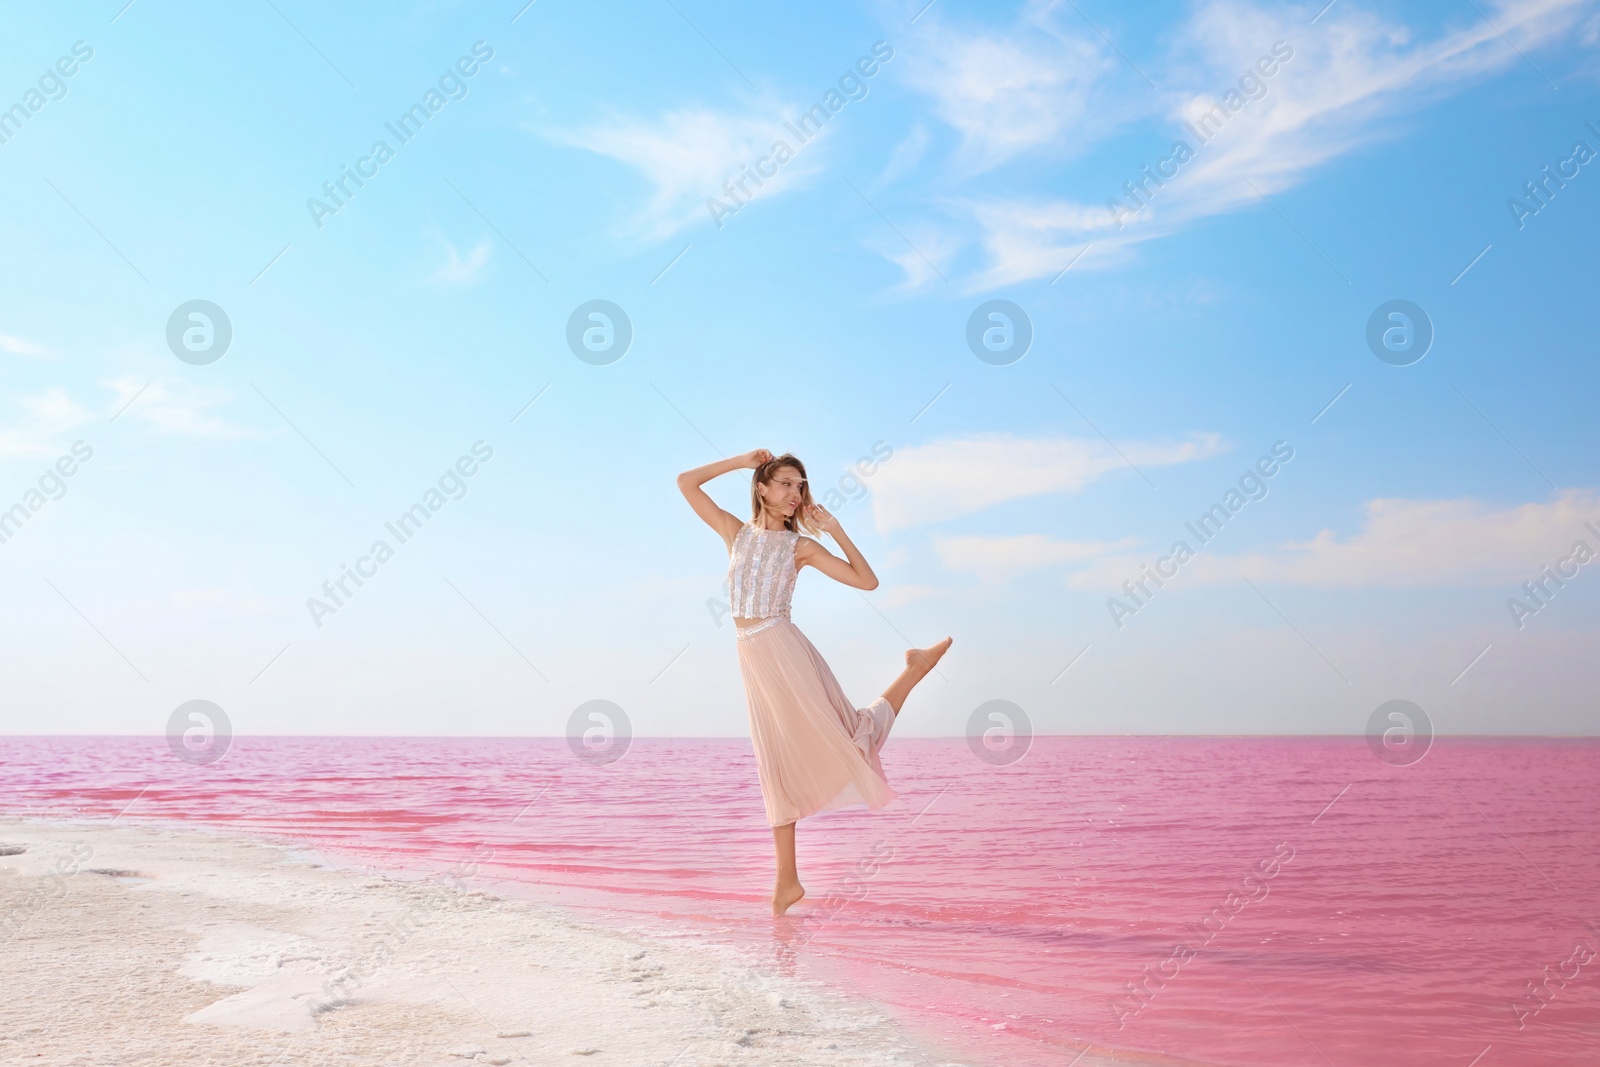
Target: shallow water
x,y
1332,908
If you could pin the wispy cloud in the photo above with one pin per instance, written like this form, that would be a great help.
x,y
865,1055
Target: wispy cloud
x,y
1424,543
688,154
458,271
1401,543
16,346
922,251
949,478
175,406
1008,91
905,157
42,419
1352,78
994,556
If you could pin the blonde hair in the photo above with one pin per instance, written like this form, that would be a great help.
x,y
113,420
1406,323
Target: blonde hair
x,y
800,520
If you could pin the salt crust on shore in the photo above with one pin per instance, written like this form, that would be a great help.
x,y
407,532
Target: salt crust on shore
x,y
167,947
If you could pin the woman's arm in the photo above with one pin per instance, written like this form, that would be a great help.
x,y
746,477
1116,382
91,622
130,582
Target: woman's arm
x,y
853,570
689,483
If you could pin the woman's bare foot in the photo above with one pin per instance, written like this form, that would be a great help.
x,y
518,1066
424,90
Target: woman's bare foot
x,y
924,659
919,661
785,896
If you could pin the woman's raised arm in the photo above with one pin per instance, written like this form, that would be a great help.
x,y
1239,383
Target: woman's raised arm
x,y
689,483
853,571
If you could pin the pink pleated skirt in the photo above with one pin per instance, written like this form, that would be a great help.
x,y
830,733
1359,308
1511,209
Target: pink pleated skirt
x,y
815,751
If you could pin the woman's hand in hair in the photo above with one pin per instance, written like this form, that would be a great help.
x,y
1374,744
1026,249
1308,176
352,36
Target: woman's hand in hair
x,y
822,519
755,458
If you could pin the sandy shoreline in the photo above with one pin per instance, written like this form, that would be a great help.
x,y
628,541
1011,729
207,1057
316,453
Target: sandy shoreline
x,y
167,947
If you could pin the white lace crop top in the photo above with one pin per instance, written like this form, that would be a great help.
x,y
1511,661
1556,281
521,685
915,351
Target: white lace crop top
x,y
761,572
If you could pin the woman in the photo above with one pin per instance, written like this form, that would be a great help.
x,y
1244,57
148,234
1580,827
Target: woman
x,y
815,751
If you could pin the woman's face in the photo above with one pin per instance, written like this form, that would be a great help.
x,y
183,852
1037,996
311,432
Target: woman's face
x,y
782,494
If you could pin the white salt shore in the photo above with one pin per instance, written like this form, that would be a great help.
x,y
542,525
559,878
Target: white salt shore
x,y
166,947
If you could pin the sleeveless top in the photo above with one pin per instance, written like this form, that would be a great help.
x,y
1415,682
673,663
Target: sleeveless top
x,y
761,572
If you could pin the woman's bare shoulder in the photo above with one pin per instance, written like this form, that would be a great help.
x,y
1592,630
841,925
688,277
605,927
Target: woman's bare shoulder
x,y
807,547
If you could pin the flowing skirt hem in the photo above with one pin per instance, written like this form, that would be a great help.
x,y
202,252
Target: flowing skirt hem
x,y
815,751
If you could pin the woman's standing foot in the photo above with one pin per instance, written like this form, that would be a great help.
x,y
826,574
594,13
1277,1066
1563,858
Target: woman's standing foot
x,y
785,897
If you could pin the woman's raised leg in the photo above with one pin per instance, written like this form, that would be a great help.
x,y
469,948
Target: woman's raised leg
x,y
919,661
788,889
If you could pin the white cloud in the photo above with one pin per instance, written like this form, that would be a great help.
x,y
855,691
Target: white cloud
x,y
688,154
950,478
906,156
1401,543
44,417
1351,77
1425,542
1007,92
16,346
458,271
1027,239
993,556
923,254
175,406
1338,91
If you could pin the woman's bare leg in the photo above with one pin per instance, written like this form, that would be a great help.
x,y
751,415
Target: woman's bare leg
x,y
789,888
919,661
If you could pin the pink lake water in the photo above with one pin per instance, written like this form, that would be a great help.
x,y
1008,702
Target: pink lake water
x,y
1392,915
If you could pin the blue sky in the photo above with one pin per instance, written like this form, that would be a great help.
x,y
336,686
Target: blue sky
x,y
1173,346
